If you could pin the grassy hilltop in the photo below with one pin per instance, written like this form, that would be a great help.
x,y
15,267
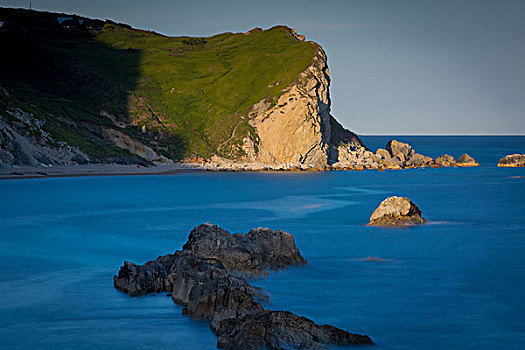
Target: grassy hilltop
x,y
191,95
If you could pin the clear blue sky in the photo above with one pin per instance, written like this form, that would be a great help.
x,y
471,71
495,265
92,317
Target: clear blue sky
x,y
397,66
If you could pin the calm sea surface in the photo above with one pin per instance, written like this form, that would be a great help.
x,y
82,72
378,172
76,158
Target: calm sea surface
x,y
457,282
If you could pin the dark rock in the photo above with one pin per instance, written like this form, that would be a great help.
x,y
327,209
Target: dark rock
x,y
512,160
278,330
396,211
252,254
466,161
204,277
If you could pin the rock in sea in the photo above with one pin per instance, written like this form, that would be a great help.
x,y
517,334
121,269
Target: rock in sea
x,y
206,278
512,160
445,160
466,161
396,211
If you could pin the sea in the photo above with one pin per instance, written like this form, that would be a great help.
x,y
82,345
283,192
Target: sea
x,y
457,282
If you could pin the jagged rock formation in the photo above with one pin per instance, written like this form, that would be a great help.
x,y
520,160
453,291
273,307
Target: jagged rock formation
x,y
396,211
204,277
512,160
278,330
245,253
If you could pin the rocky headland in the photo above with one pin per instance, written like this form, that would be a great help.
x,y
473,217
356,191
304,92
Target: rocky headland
x,y
512,160
396,211
243,118
207,278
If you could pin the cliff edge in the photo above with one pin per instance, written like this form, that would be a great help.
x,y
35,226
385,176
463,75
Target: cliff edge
x,y
76,90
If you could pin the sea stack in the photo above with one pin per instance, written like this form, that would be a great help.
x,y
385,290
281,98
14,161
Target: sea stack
x,y
396,211
512,161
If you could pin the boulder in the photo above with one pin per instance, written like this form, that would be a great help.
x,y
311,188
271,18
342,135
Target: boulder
x,y
395,148
396,211
252,254
280,330
419,160
512,160
383,154
205,277
466,161
445,160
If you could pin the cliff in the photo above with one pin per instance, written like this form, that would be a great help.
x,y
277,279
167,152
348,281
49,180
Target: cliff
x,y
77,90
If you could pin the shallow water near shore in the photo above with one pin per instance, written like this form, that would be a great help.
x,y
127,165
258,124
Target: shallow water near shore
x,y
456,282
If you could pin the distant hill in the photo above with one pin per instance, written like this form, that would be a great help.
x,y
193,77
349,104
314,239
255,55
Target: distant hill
x,y
77,90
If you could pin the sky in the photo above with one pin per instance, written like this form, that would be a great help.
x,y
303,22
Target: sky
x,y
398,67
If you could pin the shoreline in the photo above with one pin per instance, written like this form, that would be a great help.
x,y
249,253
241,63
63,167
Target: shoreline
x,y
88,170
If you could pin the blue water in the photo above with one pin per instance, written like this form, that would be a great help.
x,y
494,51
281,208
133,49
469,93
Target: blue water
x,y
457,282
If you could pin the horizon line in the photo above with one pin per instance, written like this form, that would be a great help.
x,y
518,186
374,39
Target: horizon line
x,y
411,134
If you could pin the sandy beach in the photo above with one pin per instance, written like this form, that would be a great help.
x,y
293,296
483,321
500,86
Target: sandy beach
x,y
29,172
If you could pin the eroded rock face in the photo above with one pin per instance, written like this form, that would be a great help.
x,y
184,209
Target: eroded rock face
x,y
296,130
512,160
466,161
24,141
396,211
204,277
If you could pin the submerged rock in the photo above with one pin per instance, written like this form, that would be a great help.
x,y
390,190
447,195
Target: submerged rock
x,y
512,160
466,161
205,278
396,211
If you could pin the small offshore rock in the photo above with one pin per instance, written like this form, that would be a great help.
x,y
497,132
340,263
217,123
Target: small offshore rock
x,y
445,160
466,161
396,211
512,160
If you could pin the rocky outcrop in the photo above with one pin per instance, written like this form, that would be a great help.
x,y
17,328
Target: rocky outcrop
x,y
396,211
205,278
278,330
512,160
406,156
466,161
396,155
252,254
445,160
295,131
133,146
25,141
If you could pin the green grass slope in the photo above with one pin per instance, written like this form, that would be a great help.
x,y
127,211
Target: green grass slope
x,y
192,95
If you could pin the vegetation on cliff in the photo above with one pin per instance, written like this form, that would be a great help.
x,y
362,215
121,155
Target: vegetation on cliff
x,y
182,96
